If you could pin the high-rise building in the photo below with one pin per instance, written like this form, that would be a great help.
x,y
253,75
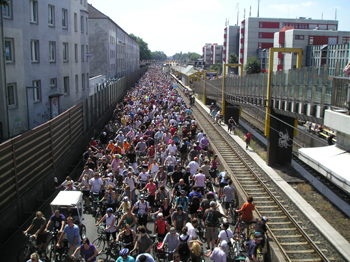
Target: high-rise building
x,y
113,52
258,33
216,54
46,69
231,42
207,53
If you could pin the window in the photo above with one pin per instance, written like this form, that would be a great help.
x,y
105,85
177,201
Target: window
x,y
76,53
299,37
65,52
52,51
75,22
259,45
34,49
66,84
7,10
82,24
346,40
51,17
12,95
311,40
82,53
76,84
36,91
33,11
82,81
87,79
260,24
9,50
64,18
86,22
87,53
53,82
260,35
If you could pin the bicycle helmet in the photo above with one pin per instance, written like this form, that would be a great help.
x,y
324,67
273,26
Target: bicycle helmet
x,y
124,252
211,193
110,210
265,219
125,199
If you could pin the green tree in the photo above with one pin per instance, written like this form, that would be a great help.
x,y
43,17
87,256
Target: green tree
x,y
253,65
4,2
216,67
159,55
194,57
187,56
145,53
233,59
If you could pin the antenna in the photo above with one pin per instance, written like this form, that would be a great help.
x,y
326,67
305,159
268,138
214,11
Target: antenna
x,y
250,11
237,6
322,16
244,14
335,14
259,7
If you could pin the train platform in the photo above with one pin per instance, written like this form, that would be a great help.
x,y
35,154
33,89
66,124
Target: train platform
x,y
330,161
337,240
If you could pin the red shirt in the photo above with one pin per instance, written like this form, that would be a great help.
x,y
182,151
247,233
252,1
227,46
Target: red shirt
x,y
247,211
161,225
248,136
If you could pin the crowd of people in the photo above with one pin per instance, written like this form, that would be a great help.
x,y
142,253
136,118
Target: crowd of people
x,y
148,163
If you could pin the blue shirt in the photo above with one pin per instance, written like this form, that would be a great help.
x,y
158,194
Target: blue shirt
x,y
193,194
222,176
182,201
149,258
128,259
251,248
72,232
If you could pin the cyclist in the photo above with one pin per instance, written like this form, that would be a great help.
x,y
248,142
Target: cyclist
x,y
211,217
247,212
124,257
129,218
222,178
204,143
231,125
110,224
144,258
251,248
218,254
111,197
96,183
191,228
171,240
58,221
86,250
144,242
177,175
261,228
128,236
166,209
196,251
200,180
144,177
178,187
151,190
161,177
179,218
195,199
72,233
38,225
225,234
161,194
131,182
194,166
143,208
214,163
34,257
229,194
125,205
161,226
182,200
170,162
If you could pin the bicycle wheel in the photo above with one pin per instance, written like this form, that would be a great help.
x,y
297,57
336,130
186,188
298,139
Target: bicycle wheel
x,y
83,231
24,254
51,249
99,244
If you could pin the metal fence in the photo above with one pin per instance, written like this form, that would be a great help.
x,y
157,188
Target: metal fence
x,y
28,158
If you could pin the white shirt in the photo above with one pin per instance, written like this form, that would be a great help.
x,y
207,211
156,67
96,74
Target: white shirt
x,y
193,167
190,230
172,148
223,236
171,160
95,184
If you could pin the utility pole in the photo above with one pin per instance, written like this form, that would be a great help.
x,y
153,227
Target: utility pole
x,y
258,7
237,6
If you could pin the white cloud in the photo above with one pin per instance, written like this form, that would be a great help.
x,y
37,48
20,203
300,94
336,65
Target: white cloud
x,y
307,3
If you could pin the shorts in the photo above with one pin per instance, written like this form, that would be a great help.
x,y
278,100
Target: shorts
x,y
222,185
201,190
183,156
227,205
86,193
41,239
193,210
211,233
108,235
151,200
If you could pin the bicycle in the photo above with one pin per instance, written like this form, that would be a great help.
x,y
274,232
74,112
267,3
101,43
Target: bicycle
x,y
100,241
231,212
115,248
24,254
51,246
200,226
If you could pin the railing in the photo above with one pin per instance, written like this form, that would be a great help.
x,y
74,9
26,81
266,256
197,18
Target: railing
x,y
340,92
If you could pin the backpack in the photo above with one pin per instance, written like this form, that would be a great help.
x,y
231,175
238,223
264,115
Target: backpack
x,y
195,201
210,220
183,148
183,247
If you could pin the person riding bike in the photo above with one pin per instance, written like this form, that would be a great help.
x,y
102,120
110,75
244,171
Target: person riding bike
x,y
143,208
124,257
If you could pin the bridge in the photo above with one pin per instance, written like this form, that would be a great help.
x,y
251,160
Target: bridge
x,y
308,94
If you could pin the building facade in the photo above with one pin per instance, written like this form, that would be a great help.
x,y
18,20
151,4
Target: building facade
x,y
297,38
258,33
206,53
231,42
113,52
216,54
46,67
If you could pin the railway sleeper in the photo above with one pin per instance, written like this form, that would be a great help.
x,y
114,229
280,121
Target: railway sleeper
x,y
304,251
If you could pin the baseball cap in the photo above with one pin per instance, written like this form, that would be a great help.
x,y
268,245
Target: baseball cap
x,y
160,214
223,243
172,230
212,204
104,133
179,207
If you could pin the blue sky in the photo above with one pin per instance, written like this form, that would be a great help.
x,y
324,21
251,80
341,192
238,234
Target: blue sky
x,y
186,25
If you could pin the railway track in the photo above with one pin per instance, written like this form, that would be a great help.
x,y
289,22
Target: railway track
x,y
295,236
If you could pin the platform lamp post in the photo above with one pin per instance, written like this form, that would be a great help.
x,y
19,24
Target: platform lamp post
x,y
223,84
205,79
272,50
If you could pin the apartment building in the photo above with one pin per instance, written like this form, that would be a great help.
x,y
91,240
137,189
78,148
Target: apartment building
x,y
258,32
297,38
206,53
231,42
46,69
113,52
216,54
